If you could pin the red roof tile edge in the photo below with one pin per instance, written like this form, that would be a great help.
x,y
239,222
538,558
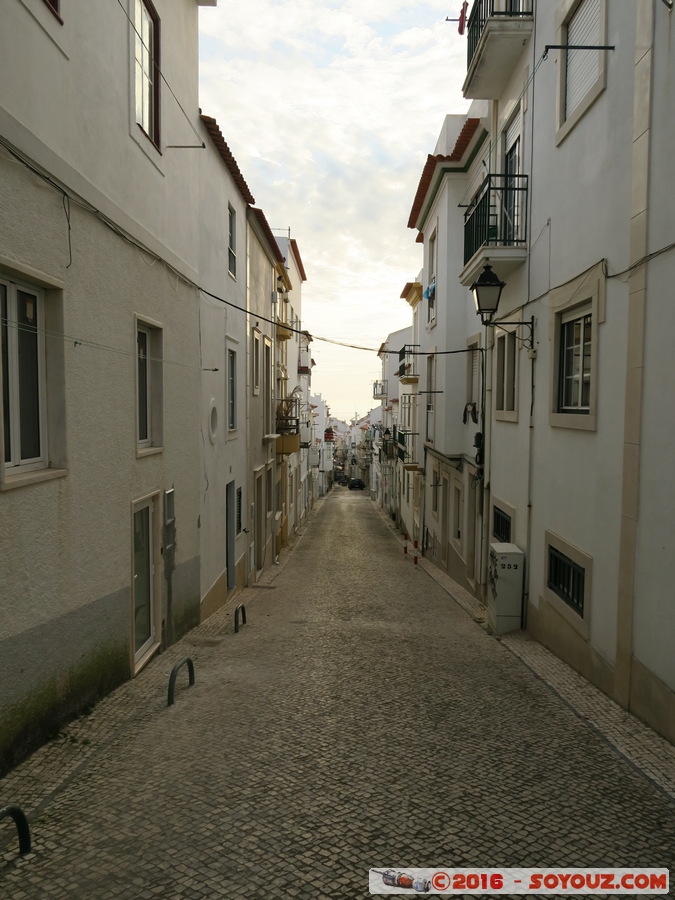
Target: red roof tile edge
x,y
461,144
296,252
267,231
221,146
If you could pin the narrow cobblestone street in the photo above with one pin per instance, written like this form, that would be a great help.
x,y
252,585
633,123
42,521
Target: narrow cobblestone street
x,y
361,718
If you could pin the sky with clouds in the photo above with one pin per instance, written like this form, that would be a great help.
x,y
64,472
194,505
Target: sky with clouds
x,y
330,108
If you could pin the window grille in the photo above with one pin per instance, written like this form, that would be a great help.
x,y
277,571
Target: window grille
x,y
566,579
501,525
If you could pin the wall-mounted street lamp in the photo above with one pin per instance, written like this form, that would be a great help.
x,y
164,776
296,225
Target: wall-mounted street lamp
x,y
487,291
486,294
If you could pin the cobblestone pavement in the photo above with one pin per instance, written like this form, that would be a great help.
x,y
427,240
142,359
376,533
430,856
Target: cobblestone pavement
x,y
361,718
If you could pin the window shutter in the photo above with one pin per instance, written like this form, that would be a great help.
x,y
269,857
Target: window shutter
x,y
475,375
583,66
512,131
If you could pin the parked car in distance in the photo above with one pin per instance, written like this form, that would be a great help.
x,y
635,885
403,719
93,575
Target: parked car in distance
x,y
342,479
356,484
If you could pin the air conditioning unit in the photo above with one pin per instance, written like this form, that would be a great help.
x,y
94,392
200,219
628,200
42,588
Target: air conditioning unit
x,y
505,583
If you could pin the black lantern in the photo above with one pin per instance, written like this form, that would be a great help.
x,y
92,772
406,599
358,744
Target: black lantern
x,y
486,293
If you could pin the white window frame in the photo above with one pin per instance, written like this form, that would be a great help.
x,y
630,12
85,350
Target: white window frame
x,y
457,515
231,389
580,296
11,392
565,122
232,241
255,360
506,359
147,79
473,372
432,265
152,442
140,657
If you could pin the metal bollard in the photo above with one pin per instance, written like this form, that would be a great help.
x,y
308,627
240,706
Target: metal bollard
x,y
241,608
405,544
174,673
21,822
416,544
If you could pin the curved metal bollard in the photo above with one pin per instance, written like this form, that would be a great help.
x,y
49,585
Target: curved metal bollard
x,y
241,608
174,673
21,822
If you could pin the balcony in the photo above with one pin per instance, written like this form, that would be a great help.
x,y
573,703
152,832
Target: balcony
x,y
284,332
288,424
405,447
304,361
407,364
495,226
380,390
497,32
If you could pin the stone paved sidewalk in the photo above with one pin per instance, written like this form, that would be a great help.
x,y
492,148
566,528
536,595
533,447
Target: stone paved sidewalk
x,y
640,745
361,718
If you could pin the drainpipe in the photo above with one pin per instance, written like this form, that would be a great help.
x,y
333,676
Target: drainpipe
x,y
486,425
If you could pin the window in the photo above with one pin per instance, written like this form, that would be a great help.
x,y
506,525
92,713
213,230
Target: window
x,y
431,288
147,71
255,361
23,377
513,194
566,579
576,332
501,525
473,376
267,387
231,389
576,314
430,397
232,242
582,73
149,388
457,513
505,373
239,510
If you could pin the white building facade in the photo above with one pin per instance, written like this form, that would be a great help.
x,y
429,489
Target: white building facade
x,y
553,438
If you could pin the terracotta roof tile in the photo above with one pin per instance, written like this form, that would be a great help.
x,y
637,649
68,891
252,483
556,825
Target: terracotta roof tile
x,y
267,231
221,146
296,252
465,136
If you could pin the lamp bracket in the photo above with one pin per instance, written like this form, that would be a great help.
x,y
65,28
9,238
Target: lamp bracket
x,y
528,342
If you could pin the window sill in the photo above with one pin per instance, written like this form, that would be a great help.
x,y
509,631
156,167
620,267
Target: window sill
x,y
148,451
21,479
431,324
506,415
573,420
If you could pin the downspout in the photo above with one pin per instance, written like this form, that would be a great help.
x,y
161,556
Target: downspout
x,y
532,355
486,426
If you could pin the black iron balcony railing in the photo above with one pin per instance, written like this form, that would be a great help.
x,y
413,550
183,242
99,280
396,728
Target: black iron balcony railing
x,y
406,445
288,415
483,10
407,362
497,214
380,390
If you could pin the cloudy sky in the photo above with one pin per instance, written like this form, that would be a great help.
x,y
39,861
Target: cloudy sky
x,y
330,108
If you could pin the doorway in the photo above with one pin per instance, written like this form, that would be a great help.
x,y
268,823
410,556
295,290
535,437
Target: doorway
x,y
230,513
